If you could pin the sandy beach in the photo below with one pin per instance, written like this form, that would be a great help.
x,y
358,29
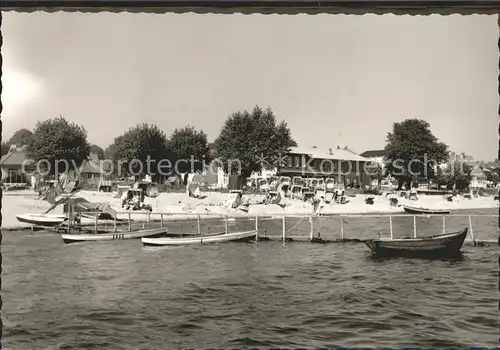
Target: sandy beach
x,y
179,206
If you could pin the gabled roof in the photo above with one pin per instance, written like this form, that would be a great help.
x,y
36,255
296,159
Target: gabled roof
x,y
478,172
373,153
335,154
93,167
14,158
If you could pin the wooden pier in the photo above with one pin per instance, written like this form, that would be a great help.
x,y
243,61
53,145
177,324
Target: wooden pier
x,y
124,222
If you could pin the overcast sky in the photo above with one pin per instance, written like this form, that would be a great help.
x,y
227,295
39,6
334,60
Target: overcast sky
x,y
335,79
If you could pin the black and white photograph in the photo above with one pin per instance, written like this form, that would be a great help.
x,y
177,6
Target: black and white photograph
x,y
203,180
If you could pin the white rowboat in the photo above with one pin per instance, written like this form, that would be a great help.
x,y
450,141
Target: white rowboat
x,y
227,237
42,219
75,237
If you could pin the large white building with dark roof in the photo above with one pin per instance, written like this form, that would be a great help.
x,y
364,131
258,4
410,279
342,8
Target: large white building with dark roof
x,y
342,164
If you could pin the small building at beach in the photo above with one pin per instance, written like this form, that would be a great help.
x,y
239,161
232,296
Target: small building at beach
x,y
16,167
479,178
94,170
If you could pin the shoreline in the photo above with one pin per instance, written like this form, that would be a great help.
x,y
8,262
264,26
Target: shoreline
x,y
178,207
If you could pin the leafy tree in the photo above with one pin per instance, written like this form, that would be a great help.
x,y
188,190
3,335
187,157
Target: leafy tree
x,y
97,150
285,134
136,148
250,138
413,151
110,151
191,146
457,175
5,148
492,176
441,178
21,137
454,175
58,139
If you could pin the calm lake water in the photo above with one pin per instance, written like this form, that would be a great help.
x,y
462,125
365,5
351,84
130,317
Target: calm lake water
x,y
120,295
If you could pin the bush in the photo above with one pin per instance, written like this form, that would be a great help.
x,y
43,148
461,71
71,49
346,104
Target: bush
x,y
373,191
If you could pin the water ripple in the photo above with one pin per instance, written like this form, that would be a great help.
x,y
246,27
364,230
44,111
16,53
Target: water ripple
x,y
110,296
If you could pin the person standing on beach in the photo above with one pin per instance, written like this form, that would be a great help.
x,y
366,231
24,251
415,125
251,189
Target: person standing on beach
x,y
315,203
321,204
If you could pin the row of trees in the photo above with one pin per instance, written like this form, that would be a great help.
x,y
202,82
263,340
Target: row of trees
x,y
244,136
411,150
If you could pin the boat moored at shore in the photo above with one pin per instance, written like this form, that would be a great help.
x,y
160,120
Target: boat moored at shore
x,y
416,210
226,237
47,220
75,237
448,244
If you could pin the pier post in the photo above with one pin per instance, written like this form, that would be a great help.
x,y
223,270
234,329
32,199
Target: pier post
x,y
390,227
70,216
129,223
284,229
161,220
226,225
96,221
414,226
444,224
342,229
311,233
470,228
198,224
256,228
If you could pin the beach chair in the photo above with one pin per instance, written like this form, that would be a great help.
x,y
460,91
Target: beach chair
x,y
413,196
329,197
307,194
273,197
263,185
320,185
330,185
296,192
313,183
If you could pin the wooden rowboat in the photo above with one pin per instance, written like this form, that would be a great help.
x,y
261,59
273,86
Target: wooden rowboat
x,y
226,237
448,244
416,210
47,220
76,237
